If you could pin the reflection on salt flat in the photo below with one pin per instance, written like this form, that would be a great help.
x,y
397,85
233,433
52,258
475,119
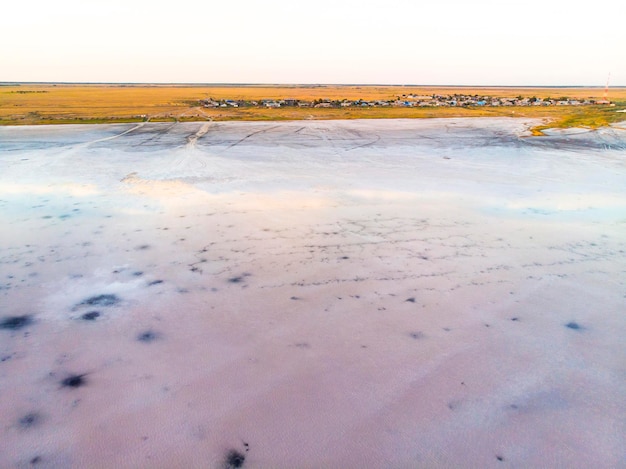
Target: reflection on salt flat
x,y
571,202
178,194
165,191
73,189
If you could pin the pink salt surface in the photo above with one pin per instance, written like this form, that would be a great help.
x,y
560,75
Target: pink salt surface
x,y
344,294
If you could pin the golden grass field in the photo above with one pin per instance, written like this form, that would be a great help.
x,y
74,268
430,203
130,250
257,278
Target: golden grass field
x,y
65,103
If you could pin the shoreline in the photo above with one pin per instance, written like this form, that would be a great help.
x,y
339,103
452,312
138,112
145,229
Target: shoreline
x,y
540,128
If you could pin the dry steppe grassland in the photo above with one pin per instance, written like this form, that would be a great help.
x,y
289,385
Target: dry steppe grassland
x,y
27,104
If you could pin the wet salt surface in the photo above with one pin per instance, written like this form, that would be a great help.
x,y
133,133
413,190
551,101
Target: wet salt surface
x,y
441,293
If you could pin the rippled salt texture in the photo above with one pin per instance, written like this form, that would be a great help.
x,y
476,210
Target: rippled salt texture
x,y
410,293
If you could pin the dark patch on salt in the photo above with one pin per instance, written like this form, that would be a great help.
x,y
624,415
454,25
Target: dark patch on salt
x,y
295,298
138,273
148,336
36,460
74,381
29,420
14,323
90,316
345,257
234,459
239,278
143,247
574,325
101,300
499,458
155,282
515,319
410,300
417,335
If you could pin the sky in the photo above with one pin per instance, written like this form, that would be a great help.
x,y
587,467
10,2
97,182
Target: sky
x,y
443,42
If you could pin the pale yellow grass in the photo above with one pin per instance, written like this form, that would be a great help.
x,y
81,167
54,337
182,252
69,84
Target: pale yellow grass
x,y
46,103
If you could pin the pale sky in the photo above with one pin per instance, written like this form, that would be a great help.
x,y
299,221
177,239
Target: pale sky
x,y
480,42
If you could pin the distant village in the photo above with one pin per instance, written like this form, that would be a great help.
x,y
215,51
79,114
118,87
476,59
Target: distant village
x,y
410,100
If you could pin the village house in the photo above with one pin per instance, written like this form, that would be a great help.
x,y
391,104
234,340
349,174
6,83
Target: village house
x,y
410,100
209,103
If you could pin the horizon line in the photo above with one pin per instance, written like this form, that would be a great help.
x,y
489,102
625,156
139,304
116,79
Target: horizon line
x,y
139,83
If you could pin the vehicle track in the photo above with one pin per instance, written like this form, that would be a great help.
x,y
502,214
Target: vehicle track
x,y
193,139
251,135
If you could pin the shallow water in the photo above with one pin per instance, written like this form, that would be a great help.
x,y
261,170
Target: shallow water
x,y
399,293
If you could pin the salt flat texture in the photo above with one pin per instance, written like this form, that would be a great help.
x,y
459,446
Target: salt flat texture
x,y
400,293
